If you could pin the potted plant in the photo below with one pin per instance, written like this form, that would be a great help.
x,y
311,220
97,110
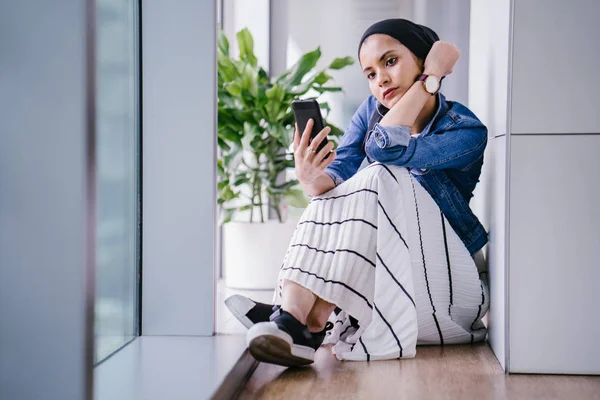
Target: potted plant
x,y
255,135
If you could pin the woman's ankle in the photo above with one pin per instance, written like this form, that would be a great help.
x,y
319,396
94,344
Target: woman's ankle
x,y
295,312
316,328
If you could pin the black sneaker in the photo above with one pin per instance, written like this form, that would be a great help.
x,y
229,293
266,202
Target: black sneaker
x,y
249,312
282,341
318,337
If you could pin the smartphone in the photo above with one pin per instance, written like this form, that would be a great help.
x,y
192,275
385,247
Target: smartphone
x,y
305,110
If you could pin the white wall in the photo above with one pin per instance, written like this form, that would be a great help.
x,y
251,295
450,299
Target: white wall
x,y
47,214
554,194
254,15
489,100
450,20
179,180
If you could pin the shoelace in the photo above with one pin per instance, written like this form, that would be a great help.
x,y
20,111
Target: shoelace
x,y
328,326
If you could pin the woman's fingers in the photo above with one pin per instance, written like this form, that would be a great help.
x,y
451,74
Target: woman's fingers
x,y
441,59
306,134
310,162
296,138
325,163
324,151
316,142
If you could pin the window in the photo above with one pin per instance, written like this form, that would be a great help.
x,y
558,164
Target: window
x,y
118,175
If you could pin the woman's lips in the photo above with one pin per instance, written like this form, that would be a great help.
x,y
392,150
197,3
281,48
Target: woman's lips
x,y
389,92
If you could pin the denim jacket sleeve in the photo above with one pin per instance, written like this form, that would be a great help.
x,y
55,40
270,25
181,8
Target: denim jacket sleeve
x,y
456,144
350,152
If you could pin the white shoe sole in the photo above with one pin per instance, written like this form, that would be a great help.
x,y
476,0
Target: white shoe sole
x,y
239,307
267,343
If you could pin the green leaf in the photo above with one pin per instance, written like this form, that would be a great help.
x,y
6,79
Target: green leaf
x,y
306,63
296,198
227,70
250,80
325,107
230,119
229,134
340,63
246,44
223,43
226,100
248,99
222,184
262,74
303,88
276,106
223,145
323,89
322,78
282,116
282,135
335,131
234,89
241,180
227,215
227,194
276,93
220,169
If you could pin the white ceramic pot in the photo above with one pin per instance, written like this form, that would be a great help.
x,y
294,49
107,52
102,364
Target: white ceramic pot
x,y
253,252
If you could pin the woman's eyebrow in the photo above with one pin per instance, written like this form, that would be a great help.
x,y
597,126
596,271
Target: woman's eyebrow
x,y
380,59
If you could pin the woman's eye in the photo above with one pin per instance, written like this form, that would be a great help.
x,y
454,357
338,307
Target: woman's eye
x,y
371,75
391,61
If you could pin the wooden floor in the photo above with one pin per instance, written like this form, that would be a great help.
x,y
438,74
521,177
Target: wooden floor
x,y
451,372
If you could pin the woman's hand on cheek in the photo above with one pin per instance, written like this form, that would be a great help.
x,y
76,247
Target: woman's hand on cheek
x,y
310,164
441,59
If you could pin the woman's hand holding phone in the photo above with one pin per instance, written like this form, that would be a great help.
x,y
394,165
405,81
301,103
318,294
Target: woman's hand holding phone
x,y
309,163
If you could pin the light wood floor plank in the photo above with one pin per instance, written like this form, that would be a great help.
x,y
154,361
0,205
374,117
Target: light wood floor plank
x,y
450,372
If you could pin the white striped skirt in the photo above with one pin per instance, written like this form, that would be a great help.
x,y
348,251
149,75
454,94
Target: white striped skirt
x,y
379,248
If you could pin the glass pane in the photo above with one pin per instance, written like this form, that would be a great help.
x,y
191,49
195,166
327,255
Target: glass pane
x,y
118,155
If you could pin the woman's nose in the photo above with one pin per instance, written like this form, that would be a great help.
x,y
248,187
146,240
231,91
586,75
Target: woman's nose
x,y
383,79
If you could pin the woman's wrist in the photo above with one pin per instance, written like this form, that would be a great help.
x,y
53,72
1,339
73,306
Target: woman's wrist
x,y
434,72
321,184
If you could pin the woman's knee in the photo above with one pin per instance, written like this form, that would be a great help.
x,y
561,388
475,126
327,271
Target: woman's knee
x,y
377,170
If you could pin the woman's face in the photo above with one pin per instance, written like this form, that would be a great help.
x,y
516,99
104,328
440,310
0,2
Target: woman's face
x,y
389,66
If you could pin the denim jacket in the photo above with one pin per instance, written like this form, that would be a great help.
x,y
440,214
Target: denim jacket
x,y
446,158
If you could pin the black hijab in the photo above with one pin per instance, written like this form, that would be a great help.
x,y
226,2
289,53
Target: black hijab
x,y
417,38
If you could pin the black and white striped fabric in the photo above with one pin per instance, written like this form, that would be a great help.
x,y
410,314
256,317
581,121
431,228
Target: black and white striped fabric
x,y
379,248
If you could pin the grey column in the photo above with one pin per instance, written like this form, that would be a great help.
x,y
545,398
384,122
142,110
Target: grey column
x,y
179,167
46,199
